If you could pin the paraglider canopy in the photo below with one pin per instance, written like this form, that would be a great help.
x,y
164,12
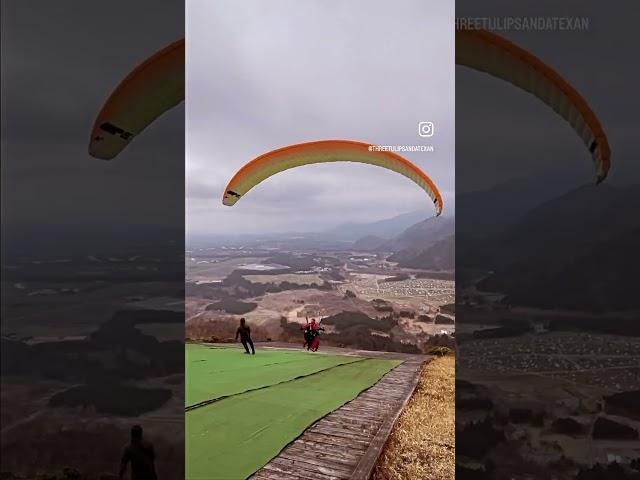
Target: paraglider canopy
x,y
490,53
152,88
324,151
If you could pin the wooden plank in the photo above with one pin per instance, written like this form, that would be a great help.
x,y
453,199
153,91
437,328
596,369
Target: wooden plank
x,y
281,471
310,470
352,419
342,434
313,463
320,442
320,461
373,415
349,435
364,469
335,440
272,475
351,426
340,455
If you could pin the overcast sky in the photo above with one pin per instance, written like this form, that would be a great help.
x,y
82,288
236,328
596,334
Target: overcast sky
x,y
503,132
266,75
262,75
60,61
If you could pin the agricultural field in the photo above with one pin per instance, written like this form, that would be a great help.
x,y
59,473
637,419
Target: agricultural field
x,y
414,291
297,278
241,410
204,269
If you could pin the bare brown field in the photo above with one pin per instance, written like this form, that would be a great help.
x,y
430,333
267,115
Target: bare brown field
x,y
212,269
297,278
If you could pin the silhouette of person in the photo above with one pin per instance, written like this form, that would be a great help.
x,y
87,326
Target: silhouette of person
x,y
307,334
245,336
141,455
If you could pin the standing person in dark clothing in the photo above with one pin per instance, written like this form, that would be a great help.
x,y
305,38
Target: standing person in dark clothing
x,y
306,328
245,336
141,455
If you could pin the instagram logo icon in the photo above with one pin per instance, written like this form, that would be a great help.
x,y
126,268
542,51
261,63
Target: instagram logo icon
x,y
425,129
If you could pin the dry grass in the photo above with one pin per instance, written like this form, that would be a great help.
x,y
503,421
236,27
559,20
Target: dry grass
x,y
422,444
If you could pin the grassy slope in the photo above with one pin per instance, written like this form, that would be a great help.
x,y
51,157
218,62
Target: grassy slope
x,y
218,372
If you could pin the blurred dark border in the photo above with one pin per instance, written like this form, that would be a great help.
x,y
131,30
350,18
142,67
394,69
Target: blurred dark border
x,y
548,367
92,251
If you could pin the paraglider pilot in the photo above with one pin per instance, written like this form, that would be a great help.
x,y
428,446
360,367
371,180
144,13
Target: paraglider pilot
x,y
311,332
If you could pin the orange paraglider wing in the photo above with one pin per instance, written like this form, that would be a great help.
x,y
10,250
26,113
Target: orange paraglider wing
x,y
490,53
324,151
151,89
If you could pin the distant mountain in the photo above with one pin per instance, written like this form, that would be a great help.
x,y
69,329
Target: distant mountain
x,y
422,235
605,278
577,251
565,227
600,280
386,229
488,212
428,244
337,237
439,256
369,243
32,242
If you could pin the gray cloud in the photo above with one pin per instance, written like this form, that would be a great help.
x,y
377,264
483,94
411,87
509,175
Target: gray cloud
x,y
503,133
60,61
261,76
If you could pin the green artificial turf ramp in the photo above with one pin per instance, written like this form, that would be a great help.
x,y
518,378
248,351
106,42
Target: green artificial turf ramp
x,y
233,438
214,372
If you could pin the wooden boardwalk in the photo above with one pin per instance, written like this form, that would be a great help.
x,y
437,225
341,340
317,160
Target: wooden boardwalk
x,y
346,443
